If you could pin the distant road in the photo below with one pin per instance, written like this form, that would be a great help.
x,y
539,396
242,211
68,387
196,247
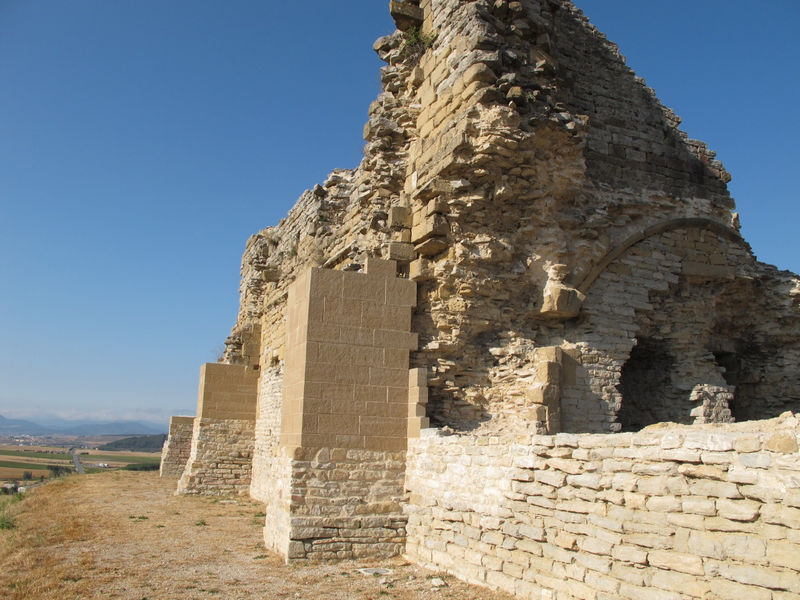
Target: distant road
x,y
78,466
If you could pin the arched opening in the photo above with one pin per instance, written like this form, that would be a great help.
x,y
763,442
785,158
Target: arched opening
x,y
645,384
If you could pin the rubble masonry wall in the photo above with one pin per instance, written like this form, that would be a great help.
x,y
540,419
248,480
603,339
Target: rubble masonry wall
x,y
177,446
669,513
220,459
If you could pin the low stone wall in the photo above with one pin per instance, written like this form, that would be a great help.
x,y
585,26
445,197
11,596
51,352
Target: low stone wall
x,y
177,447
668,513
220,462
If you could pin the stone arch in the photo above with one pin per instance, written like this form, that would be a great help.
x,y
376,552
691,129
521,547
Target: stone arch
x,y
649,301
657,229
645,386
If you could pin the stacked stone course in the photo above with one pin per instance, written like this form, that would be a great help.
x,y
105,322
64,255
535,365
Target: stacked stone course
x,y
220,460
177,447
223,434
337,472
670,513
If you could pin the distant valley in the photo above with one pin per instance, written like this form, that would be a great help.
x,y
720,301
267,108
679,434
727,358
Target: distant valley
x,y
13,427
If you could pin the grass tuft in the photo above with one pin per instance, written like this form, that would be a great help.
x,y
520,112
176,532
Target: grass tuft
x,y
7,520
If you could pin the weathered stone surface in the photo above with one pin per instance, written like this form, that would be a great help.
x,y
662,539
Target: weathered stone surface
x,y
177,447
632,545
576,269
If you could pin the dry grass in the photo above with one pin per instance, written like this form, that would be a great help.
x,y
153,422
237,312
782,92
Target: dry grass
x,y
13,474
125,535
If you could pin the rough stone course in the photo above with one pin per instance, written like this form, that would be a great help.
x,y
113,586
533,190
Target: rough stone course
x,y
673,511
220,460
177,447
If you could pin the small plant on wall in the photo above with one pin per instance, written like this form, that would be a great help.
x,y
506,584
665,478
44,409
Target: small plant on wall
x,y
416,42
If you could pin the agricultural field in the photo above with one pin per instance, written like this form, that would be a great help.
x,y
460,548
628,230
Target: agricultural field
x,y
45,461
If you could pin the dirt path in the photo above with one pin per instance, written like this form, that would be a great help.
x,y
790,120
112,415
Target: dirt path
x,y
125,535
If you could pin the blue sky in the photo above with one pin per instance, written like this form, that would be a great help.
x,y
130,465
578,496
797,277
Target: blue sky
x,y
142,142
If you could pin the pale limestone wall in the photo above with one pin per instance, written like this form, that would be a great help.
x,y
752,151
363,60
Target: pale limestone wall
x,y
266,455
331,472
538,151
278,501
345,504
223,437
670,513
227,392
694,303
347,354
177,446
220,461
649,292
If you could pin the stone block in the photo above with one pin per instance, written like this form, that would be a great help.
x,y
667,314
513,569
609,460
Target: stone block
x,y
560,301
675,561
417,377
399,216
783,442
629,554
405,14
402,251
429,226
730,589
420,269
381,267
418,395
431,247
401,292
326,282
784,554
363,287
479,72
738,510
388,444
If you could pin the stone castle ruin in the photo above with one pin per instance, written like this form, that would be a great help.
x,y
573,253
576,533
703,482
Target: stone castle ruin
x,y
460,350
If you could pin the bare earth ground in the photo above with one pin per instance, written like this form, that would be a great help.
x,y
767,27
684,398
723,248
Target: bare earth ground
x,y
125,535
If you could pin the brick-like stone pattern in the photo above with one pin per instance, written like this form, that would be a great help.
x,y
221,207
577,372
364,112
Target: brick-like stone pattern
x,y
345,504
177,447
692,306
221,458
670,513
223,436
266,454
331,470
347,353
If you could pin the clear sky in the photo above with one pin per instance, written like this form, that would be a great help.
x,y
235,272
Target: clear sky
x,y
143,141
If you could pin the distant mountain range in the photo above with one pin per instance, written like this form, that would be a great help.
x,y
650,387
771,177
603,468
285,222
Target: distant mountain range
x,y
85,427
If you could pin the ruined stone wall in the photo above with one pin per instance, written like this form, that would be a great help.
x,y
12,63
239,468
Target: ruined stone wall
x,y
516,188
341,504
685,307
510,152
668,513
220,460
332,474
177,447
266,456
223,436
